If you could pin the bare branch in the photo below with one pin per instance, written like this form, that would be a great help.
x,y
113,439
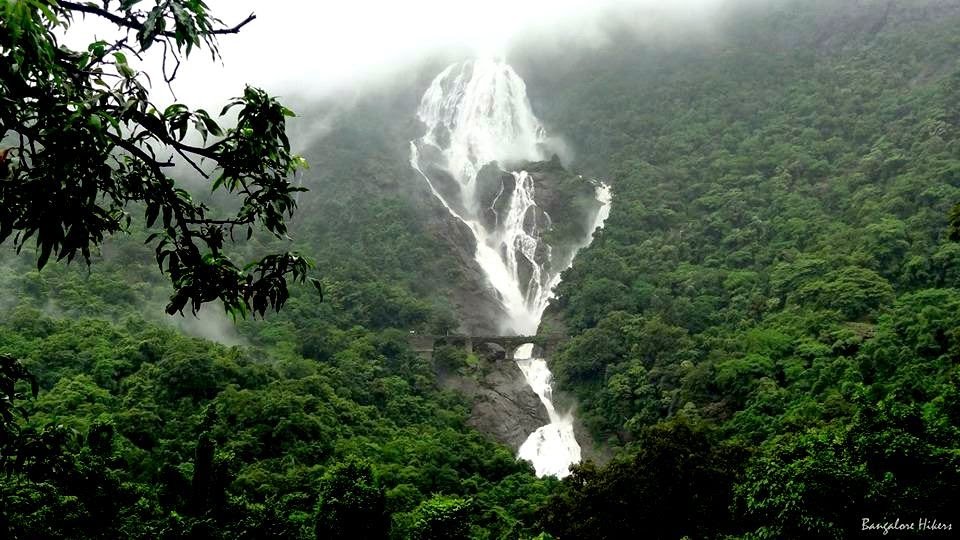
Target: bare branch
x,y
192,163
129,22
156,127
138,152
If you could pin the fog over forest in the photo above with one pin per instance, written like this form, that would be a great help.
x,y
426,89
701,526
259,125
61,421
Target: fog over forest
x,y
302,47
532,270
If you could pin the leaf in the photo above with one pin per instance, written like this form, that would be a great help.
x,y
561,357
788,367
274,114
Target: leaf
x,y
153,26
211,125
153,210
177,303
45,250
173,109
6,227
47,12
202,129
317,285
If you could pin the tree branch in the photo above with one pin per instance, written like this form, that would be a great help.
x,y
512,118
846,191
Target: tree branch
x,y
156,127
231,222
138,152
192,163
135,24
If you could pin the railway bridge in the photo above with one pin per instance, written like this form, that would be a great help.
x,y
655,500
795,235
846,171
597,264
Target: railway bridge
x,y
424,344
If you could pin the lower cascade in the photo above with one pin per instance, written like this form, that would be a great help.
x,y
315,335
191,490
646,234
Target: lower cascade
x,y
553,447
478,156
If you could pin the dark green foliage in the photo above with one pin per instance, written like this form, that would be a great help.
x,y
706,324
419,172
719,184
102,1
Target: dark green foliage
x,y
82,138
192,438
12,372
449,358
676,484
224,442
777,268
766,334
439,518
351,504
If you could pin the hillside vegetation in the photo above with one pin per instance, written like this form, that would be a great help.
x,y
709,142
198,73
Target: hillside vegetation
x,y
768,324
766,334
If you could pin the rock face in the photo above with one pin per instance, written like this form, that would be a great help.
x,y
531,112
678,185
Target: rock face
x,y
494,187
570,202
565,207
504,406
473,298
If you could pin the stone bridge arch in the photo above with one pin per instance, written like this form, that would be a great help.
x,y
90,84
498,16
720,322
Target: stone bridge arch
x,y
424,344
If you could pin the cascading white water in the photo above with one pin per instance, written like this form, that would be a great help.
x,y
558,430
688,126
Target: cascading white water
x,y
553,447
478,113
481,107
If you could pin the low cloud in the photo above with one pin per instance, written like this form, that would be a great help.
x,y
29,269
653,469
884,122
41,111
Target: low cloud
x,y
209,324
304,48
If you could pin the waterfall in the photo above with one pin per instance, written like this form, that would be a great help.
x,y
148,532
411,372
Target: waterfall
x,y
553,447
479,122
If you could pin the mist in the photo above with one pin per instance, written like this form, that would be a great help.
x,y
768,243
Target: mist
x,y
310,49
210,324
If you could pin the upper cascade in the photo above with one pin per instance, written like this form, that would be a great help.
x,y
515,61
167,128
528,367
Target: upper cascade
x,y
477,112
479,127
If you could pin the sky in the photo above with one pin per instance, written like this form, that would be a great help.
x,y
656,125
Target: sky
x,y
307,47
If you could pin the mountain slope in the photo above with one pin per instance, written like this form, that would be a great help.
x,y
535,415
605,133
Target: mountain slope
x,y
775,276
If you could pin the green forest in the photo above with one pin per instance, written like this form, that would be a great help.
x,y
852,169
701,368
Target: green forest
x,y
763,340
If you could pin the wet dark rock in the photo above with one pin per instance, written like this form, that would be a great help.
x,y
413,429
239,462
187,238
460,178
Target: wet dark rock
x,y
566,207
477,302
474,300
524,271
504,406
442,136
446,185
494,188
491,352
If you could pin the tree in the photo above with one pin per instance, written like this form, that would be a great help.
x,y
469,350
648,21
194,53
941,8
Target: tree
x,y
441,517
83,145
352,504
853,291
675,484
11,373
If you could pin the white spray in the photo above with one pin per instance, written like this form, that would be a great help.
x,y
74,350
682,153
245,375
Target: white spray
x,y
477,113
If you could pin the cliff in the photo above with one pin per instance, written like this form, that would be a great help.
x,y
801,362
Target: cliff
x,y
504,406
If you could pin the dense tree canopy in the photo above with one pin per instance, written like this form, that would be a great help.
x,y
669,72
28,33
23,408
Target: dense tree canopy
x,y
765,337
85,145
777,271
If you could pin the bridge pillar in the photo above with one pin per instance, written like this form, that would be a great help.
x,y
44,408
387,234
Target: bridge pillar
x,y
422,345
